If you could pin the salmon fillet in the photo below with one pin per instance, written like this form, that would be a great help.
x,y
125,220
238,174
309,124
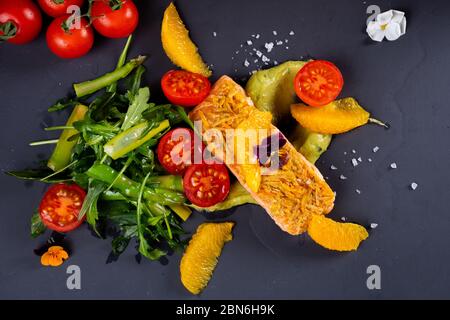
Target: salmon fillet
x,y
290,194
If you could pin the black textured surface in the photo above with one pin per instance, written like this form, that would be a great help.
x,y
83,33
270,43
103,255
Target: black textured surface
x,y
403,82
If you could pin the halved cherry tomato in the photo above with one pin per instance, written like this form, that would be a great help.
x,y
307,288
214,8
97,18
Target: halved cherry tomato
x,y
185,88
60,207
72,43
57,8
318,83
20,21
115,19
206,184
176,150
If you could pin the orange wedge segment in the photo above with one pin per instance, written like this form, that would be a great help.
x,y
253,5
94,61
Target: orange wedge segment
x,y
336,117
201,255
335,235
178,45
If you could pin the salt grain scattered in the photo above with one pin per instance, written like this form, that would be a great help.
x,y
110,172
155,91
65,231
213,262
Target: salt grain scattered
x,y
214,34
249,42
344,219
265,59
274,32
375,149
354,162
373,225
414,186
291,33
393,165
287,48
246,63
358,191
275,62
259,53
370,159
257,36
360,159
269,46
353,151
342,177
333,167
279,43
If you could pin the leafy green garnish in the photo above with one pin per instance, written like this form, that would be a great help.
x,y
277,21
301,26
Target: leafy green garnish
x,y
37,226
137,107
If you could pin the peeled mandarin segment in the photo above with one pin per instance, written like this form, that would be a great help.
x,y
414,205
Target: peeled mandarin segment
x,y
178,46
201,255
252,174
335,235
336,117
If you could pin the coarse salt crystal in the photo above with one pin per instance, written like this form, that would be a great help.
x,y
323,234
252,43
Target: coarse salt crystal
x,y
360,159
353,151
370,159
333,167
214,34
259,53
291,33
246,63
249,42
414,186
275,62
358,191
287,48
373,225
265,59
274,32
342,177
344,219
375,149
393,165
257,36
354,162
269,46
279,43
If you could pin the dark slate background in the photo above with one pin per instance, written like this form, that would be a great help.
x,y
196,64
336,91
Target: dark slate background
x,y
405,82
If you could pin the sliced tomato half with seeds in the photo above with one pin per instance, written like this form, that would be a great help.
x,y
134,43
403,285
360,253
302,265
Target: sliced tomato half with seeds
x,y
318,83
206,184
60,206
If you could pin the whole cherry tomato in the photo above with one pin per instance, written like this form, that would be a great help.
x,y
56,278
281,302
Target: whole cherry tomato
x,y
20,21
116,18
69,41
57,8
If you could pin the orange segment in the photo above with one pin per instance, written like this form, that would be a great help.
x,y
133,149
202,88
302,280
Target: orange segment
x,y
336,117
177,44
201,255
335,235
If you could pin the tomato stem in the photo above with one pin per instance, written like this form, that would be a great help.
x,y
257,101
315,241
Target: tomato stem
x,y
8,30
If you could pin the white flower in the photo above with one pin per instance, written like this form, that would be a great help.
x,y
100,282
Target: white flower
x,y
390,24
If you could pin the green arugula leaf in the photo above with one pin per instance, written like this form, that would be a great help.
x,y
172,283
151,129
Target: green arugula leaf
x,y
37,226
137,107
89,207
39,175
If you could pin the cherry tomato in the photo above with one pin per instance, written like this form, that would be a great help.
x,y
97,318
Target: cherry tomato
x,y
60,207
185,88
20,21
206,184
57,8
115,22
72,43
176,150
318,83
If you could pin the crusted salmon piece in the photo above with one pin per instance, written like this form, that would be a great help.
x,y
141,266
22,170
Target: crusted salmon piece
x,y
290,194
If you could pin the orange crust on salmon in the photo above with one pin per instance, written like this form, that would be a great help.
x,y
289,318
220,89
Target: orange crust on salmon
x,y
291,194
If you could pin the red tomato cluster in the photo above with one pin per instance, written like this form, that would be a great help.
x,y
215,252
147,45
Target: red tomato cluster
x,y
204,184
68,36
